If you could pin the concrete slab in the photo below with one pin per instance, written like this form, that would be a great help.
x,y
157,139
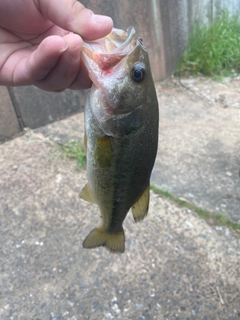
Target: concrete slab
x,y
199,145
9,126
176,266
37,108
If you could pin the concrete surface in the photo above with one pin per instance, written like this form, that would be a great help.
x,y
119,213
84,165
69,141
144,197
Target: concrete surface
x,y
199,152
175,266
37,108
9,126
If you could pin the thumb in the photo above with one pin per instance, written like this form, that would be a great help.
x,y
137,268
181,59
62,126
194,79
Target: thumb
x,y
72,16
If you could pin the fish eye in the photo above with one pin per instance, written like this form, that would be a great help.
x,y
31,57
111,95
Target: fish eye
x,y
138,72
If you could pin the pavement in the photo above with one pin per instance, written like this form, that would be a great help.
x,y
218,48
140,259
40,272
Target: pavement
x,y
175,266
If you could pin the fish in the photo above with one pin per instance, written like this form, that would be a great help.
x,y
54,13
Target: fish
x,y
121,120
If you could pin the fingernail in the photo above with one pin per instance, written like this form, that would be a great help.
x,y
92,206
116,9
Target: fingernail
x,y
74,54
101,19
63,49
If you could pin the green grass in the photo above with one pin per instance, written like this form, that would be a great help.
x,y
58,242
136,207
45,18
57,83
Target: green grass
x,y
213,49
219,218
74,150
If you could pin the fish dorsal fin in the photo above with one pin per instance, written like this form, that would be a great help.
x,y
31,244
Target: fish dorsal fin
x,y
85,194
140,207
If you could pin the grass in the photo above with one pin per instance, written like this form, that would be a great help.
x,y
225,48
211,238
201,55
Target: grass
x,y
219,218
74,150
213,49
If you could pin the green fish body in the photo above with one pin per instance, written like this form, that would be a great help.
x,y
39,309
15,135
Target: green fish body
x,y
121,134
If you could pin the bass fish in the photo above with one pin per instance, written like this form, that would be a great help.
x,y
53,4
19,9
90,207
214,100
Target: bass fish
x,y
121,133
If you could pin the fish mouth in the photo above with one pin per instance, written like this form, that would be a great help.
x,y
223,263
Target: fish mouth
x,y
102,55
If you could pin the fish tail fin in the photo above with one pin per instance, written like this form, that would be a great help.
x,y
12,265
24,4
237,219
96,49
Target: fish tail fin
x,y
114,242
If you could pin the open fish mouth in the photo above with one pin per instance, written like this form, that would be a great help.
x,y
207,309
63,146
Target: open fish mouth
x,y
105,53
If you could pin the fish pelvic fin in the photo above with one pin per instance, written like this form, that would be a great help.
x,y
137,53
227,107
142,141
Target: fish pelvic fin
x,y
140,207
85,194
114,242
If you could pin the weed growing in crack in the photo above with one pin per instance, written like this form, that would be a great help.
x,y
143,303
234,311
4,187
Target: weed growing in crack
x,y
219,218
74,150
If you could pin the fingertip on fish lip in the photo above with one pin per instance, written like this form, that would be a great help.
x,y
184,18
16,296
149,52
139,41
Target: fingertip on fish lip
x,y
102,20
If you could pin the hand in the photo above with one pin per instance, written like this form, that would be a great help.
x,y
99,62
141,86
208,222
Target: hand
x,y
41,41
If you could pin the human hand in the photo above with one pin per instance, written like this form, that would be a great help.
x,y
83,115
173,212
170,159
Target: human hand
x,y
41,41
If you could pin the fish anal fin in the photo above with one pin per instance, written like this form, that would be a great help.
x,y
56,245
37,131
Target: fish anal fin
x,y
114,242
85,194
140,207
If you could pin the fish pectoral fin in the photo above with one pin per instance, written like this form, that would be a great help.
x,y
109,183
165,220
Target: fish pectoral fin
x,y
85,142
140,207
103,152
85,194
114,242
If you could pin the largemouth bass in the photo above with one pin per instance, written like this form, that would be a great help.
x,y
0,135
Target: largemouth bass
x,y
121,133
